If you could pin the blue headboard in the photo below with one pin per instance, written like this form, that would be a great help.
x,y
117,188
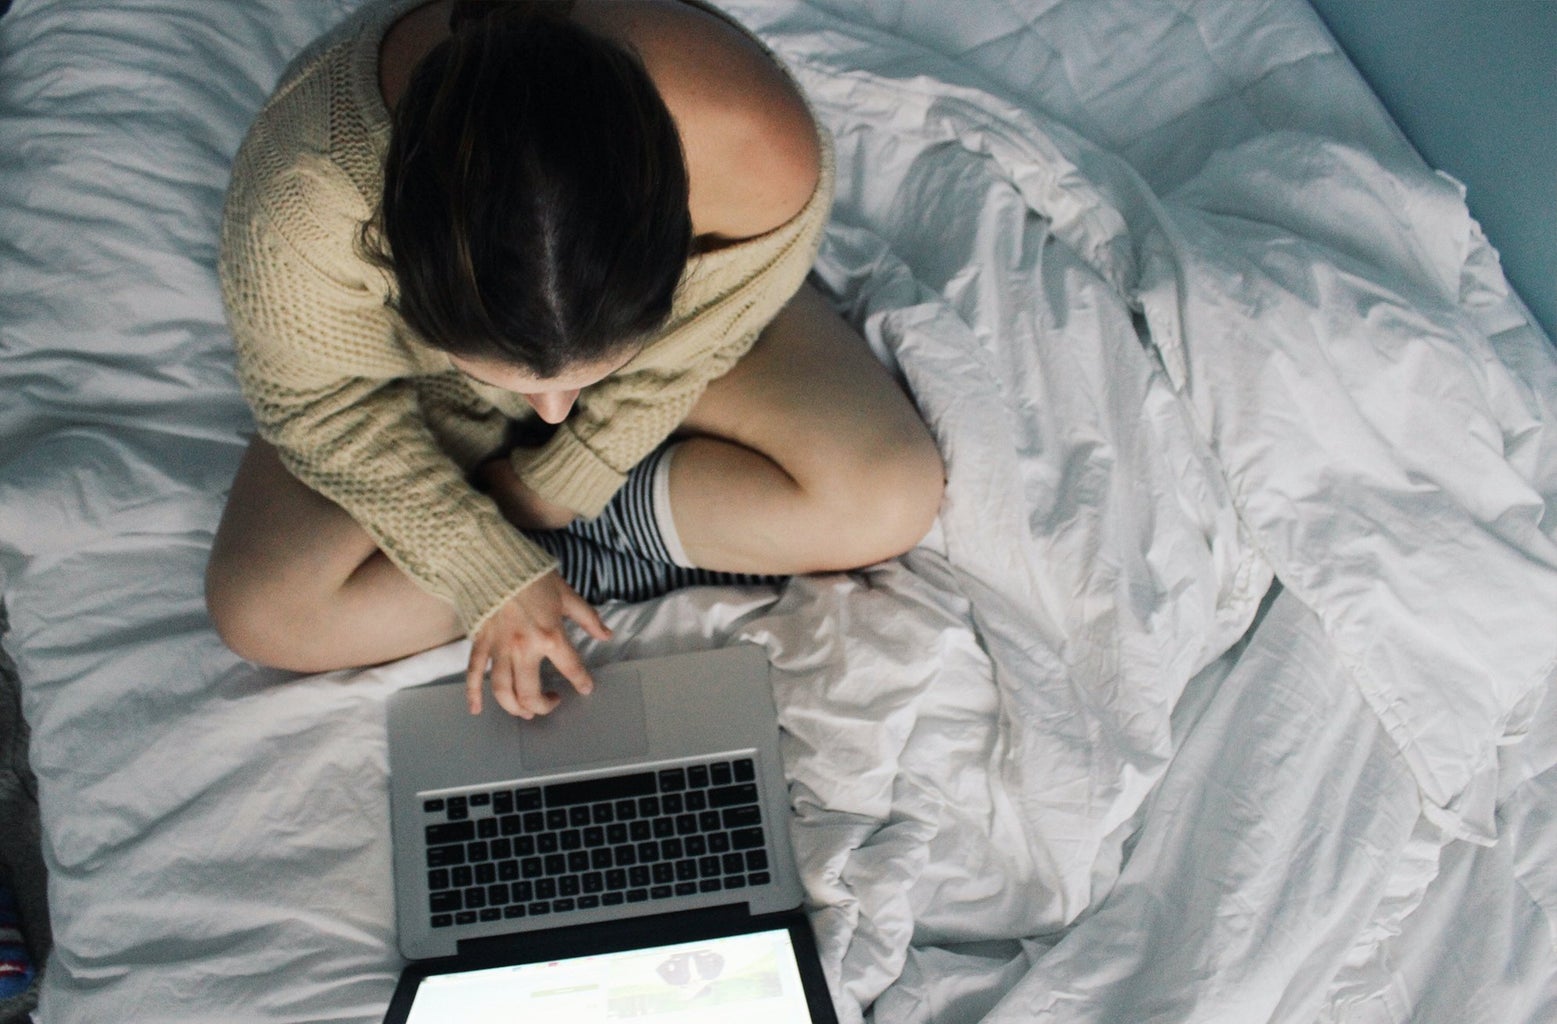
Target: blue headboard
x,y
1473,84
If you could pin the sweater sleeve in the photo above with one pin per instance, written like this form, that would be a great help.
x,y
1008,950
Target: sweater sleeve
x,y
318,363
724,301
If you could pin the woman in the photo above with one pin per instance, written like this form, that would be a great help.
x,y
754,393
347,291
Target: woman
x,y
457,222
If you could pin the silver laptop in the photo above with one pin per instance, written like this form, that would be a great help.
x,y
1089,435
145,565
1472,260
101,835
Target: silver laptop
x,y
625,856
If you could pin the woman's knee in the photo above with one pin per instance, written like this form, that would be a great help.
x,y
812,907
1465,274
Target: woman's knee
x,y
878,502
247,616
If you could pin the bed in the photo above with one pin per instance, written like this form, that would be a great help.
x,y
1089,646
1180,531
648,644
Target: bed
x,y
1218,692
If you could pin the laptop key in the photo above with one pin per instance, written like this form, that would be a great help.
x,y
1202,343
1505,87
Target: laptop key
x,y
438,878
480,799
731,796
709,885
442,920
508,871
527,800
759,878
719,773
588,902
741,817
444,856
563,906
686,888
613,899
450,832
697,776
513,911
465,917
475,898
637,895
462,877
445,902
745,770
503,803
756,860
660,892
492,914
486,874
747,838
458,809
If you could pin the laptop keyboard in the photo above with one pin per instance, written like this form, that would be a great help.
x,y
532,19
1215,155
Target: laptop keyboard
x,y
625,839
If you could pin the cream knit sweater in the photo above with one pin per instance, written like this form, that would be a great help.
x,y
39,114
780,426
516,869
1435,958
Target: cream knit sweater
x,y
367,414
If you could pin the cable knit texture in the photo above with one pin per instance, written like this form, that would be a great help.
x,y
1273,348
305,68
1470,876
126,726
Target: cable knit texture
x,y
369,415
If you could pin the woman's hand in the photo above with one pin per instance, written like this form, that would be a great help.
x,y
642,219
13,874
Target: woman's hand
x,y
519,504
525,631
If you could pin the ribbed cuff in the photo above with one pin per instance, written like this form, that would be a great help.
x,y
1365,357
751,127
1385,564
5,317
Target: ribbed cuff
x,y
565,471
498,564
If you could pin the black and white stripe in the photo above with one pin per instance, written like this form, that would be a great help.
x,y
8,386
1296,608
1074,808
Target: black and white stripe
x,y
621,555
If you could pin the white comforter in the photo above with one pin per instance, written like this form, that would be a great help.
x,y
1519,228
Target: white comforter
x,y
1184,316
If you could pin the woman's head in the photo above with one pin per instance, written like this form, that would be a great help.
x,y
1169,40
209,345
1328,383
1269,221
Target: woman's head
x,y
535,194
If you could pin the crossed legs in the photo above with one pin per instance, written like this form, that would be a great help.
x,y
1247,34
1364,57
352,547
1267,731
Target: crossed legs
x,y
806,457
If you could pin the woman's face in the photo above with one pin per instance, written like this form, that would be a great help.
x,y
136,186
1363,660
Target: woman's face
x,y
551,397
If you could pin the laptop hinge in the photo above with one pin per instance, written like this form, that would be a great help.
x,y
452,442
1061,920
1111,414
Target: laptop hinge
x,y
609,936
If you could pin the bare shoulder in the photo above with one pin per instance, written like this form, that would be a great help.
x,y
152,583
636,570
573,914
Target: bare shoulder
x,y
753,156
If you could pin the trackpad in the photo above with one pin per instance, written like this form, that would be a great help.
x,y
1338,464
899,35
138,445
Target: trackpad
x,y
608,725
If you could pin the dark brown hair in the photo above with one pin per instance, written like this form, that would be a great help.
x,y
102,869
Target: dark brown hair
x,y
535,193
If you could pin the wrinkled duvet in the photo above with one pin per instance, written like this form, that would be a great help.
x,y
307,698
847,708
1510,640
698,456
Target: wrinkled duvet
x,y
1218,693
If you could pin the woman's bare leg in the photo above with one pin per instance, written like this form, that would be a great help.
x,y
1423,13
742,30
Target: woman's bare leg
x,y
295,583
806,457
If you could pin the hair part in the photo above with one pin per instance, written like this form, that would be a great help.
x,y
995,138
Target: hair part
x,y
535,193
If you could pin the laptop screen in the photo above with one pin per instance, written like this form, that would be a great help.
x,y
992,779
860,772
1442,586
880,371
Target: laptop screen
x,y
753,978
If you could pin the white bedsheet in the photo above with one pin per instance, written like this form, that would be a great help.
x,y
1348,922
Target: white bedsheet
x,y
1179,307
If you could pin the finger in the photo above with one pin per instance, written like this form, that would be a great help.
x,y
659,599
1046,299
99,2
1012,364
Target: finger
x,y
584,613
503,689
475,669
567,662
527,684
